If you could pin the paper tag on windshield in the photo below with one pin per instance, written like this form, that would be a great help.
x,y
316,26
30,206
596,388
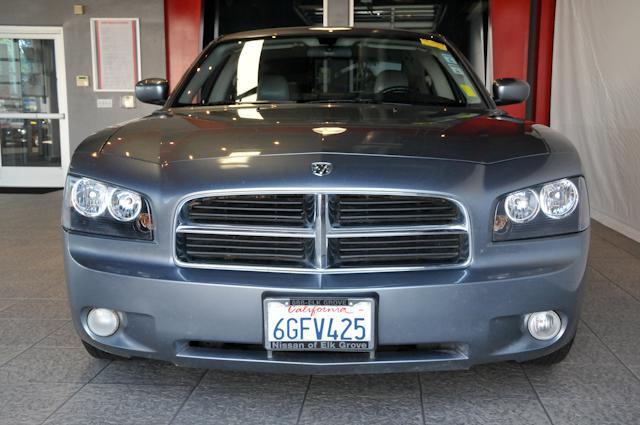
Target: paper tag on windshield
x,y
468,90
432,43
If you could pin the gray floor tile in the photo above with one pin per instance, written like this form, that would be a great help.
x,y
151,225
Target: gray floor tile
x,y
7,352
614,323
609,310
491,381
31,404
589,351
616,239
121,404
323,408
373,386
595,412
484,411
26,289
37,309
625,273
635,369
21,331
626,348
4,304
572,382
236,405
601,248
241,380
136,371
43,364
65,336
56,290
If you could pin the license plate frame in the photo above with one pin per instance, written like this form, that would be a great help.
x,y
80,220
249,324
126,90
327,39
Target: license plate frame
x,y
348,346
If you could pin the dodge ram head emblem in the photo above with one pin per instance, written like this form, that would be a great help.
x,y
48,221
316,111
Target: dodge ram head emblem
x,y
321,168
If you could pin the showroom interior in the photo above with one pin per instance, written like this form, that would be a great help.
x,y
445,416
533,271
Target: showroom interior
x,y
581,65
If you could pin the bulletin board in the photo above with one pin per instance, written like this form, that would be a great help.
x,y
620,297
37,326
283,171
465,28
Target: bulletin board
x,y
115,49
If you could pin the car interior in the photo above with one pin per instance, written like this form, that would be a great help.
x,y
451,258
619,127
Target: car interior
x,y
317,70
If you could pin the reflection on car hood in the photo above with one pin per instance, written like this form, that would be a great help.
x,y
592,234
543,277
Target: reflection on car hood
x,y
366,129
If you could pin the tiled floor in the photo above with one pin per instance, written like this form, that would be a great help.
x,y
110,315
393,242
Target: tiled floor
x,y
46,376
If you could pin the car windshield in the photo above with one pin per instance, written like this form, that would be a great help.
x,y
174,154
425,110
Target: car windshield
x,y
330,68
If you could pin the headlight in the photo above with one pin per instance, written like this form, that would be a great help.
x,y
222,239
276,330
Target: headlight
x,y
549,209
124,205
522,206
559,199
98,208
89,197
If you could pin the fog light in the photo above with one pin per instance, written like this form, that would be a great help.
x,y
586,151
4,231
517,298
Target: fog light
x,y
103,322
544,325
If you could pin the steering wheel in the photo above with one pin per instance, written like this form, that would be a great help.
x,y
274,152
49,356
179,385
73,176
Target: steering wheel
x,y
395,89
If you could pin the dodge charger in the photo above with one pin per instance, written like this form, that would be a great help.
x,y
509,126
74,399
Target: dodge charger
x,y
327,200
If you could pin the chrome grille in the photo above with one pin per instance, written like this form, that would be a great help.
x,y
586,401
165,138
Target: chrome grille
x,y
206,248
413,251
321,232
257,210
386,210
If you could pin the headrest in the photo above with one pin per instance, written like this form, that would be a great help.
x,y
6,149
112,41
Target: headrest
x,y
273,87
388,79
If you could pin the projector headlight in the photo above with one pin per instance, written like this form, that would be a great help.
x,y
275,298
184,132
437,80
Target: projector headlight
x,y
98,208
124,205
559,198
89,197
522,206
549,209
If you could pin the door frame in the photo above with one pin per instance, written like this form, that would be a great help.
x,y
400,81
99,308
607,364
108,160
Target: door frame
x,y
18,176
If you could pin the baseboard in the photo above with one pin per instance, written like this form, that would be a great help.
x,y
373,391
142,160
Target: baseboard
x,y
616,225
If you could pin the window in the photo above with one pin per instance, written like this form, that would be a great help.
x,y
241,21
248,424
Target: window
x,y
330,69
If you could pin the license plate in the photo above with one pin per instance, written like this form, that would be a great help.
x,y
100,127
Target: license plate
x,y
319,324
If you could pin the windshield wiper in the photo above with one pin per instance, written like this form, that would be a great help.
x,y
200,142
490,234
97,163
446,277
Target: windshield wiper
x,y
246,103
357,100
439,102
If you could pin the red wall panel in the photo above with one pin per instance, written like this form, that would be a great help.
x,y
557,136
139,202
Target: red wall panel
x,y
542,99
182,23
510,29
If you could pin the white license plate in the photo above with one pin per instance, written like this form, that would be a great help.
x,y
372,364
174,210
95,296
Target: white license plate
x,y
319,324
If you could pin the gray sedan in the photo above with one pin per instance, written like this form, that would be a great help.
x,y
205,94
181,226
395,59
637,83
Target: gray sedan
x,y
327,200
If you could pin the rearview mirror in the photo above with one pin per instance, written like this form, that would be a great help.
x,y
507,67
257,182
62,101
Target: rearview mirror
x,y
508,91
152,90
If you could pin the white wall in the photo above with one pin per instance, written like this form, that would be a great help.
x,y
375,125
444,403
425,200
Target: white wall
x,y
595,101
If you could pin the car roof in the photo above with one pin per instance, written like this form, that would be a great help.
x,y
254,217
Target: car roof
x,y
316,31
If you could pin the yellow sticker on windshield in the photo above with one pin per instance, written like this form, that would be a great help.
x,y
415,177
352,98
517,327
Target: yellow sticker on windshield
x,y
468,90
432,43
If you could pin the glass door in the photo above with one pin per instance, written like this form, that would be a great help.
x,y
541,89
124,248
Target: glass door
x,y
34,132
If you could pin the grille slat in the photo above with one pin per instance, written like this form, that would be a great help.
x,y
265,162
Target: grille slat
x,y
253,217
232,248
217,249
398,250
418,218
240,255
256,210
404,247
387,231
377,210
293,210
243,242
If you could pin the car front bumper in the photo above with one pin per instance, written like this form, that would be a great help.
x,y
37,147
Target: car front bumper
x,y
428,320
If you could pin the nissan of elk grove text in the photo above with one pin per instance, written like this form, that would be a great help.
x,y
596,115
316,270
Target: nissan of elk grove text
x,y
327,200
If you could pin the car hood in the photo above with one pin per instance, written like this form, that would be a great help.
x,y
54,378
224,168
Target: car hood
x,y
183,134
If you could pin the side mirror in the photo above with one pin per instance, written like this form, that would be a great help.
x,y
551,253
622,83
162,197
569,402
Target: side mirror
x,y
508,91
152,90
